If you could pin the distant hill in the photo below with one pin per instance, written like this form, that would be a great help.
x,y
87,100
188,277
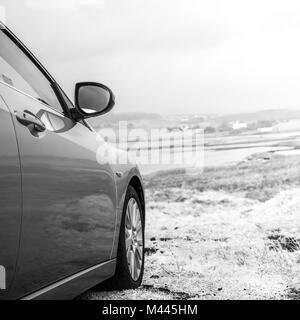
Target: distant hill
x,y
131,116
113,118
271,115
154,120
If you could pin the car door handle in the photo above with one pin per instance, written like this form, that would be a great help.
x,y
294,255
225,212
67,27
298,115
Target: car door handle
x,y
27,118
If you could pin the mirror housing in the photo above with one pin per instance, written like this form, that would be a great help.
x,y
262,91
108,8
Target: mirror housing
x,y
91,100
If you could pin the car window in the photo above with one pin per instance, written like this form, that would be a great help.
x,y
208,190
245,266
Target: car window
x,y
17,70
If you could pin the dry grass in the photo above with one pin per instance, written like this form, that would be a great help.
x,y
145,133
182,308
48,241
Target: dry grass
x,y
257,179
225,247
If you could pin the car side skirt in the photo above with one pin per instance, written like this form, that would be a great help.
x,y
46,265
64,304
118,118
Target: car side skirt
x,y
76,284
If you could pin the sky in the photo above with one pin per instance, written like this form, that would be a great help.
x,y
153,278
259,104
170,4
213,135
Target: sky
x,y
169,56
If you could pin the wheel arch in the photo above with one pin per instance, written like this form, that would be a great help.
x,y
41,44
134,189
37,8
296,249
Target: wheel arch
x,y
136,183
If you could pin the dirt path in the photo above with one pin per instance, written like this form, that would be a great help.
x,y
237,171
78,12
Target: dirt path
x,y
214,245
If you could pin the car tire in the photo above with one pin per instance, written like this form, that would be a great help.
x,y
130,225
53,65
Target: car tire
x,y
126,277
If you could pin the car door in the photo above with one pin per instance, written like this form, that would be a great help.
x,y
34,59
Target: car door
x,y
69,199
10,198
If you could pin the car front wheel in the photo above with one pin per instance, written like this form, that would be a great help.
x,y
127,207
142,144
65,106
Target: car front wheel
x,y
130,259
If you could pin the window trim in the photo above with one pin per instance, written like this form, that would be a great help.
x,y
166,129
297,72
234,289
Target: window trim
x,y
54,85
27,95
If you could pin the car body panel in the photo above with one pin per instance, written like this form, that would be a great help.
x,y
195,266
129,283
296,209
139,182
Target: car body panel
x,y
69,199
10,199
69,287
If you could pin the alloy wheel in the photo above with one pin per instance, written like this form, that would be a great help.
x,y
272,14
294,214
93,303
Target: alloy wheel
x,y
134,239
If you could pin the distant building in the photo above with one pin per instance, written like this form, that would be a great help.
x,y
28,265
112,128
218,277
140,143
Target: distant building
x,y
265,130
238,125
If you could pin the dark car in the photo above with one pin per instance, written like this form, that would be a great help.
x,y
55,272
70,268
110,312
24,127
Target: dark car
x,y
68,220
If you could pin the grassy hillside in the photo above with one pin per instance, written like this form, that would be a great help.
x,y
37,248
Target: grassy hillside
x,y
256,179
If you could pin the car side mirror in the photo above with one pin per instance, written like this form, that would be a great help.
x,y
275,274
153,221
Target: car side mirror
x,y
92,99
